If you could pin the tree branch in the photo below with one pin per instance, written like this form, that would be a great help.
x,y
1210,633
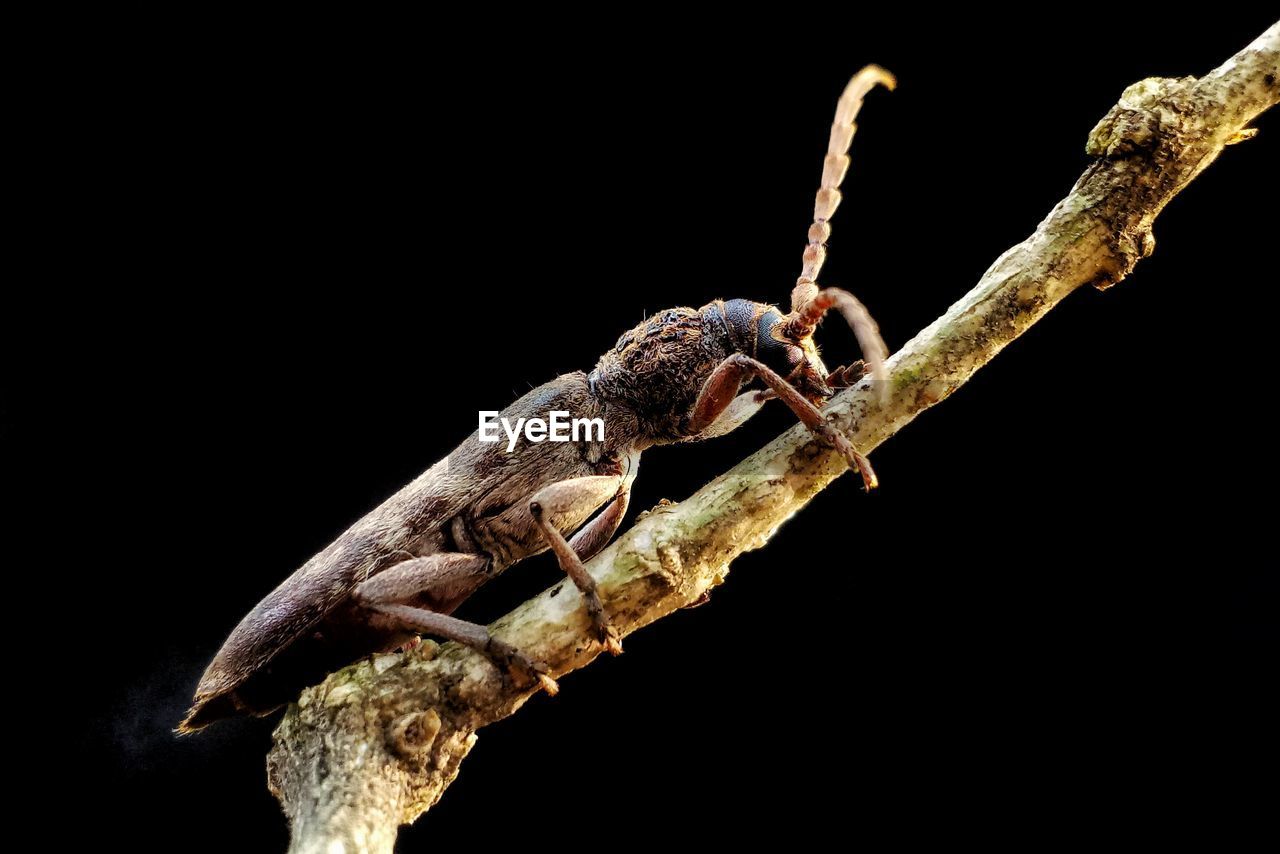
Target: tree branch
x,y
377,743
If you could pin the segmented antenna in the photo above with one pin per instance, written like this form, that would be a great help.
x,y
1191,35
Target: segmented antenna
x,y
834,167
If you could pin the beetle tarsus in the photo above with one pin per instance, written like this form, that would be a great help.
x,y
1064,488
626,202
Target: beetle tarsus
x,y
524,672
610,639
603,629
856,460
703,598
847,376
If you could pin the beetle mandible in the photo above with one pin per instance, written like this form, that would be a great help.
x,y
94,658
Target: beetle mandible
x,y
401,570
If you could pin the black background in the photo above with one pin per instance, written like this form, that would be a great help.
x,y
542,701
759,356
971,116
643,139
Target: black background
x,y
313,258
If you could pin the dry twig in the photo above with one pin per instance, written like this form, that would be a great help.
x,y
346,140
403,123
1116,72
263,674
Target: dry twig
x,y
377,743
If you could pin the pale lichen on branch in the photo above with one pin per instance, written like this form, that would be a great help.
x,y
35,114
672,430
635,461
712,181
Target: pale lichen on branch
x,y
377,743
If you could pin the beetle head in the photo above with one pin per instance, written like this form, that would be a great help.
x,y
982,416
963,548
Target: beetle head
x,y
793,356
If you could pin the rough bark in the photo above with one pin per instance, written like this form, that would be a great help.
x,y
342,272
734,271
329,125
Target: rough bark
x,y
377,743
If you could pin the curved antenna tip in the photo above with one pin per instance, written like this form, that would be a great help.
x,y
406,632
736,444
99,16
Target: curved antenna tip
x,y
873,74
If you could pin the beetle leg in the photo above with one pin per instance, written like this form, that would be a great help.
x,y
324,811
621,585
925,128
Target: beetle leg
x,y
729,376
557,499
717,393
732,416
474,635
845,377
596,534
440,582
447,579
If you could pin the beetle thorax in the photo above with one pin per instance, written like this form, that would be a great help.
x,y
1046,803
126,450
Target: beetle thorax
x,y
657,369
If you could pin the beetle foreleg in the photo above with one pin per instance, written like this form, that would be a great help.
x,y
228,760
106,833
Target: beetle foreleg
x,y
555,500
729,376
840,378
733,415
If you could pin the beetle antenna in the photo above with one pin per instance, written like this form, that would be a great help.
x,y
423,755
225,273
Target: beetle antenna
x,y
809,302
834,167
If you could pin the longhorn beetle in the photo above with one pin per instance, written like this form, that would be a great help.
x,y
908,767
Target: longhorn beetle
x,y
402,569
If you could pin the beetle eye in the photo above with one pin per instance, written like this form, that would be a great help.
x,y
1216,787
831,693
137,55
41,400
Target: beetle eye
x,y
780,355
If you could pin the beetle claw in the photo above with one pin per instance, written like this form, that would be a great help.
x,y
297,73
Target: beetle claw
x,y
610,641
856,460
548,684
604,630
523,671
530,674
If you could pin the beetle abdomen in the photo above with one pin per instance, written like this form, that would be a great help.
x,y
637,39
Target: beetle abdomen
x,y
297,606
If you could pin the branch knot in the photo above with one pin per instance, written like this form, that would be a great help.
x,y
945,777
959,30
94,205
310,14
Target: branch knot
x,y
1134,124
410,736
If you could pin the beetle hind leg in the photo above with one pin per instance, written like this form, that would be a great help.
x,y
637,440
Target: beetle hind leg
x,y
444,580
528,673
